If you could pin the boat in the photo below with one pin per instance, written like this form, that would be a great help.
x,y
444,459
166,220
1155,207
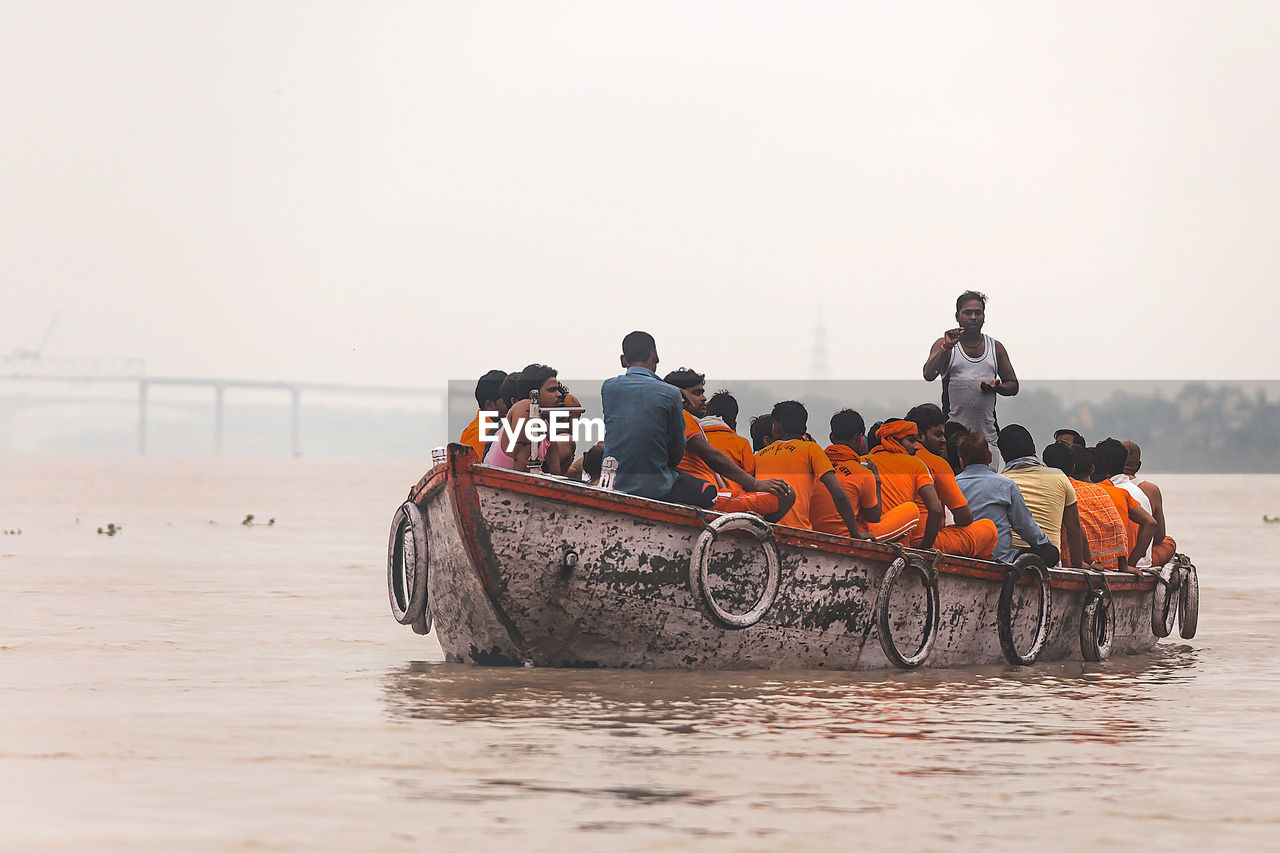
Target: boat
x,y
523,569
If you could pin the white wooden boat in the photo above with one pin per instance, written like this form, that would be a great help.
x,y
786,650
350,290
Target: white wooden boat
x,y
522,569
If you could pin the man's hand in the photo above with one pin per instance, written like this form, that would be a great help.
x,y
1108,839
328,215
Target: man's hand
x,y
871,466
951,337
781,488
990,387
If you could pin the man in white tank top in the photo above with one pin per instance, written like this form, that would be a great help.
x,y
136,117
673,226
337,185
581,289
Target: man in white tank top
x,y
974,368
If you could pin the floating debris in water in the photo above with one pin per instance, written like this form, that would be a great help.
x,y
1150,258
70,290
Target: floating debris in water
x,y
248,520
1270,519
110,529
16,532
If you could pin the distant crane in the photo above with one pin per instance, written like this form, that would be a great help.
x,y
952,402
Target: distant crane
x,y
34,355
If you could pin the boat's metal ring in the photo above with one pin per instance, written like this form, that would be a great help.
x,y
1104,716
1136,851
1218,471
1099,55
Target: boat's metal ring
x,y
1188,602
1164,599
407,568
929,573
1097,624
700,560
1024,566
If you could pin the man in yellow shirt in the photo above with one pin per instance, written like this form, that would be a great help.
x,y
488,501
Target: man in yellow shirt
x,y
1047,492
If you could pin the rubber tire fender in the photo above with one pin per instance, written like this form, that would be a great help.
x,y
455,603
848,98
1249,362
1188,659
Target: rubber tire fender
x,y
932,616
1026,564
1164,601
1097,627
407,566
1189,603
701,558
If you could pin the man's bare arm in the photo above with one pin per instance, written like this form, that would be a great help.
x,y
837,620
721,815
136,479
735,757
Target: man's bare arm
x,y
940,354
1076,540
933,524
843,505
1146,531
727,468
1152,491
1008,384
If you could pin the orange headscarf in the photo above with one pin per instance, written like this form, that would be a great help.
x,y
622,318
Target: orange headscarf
x,y
891,431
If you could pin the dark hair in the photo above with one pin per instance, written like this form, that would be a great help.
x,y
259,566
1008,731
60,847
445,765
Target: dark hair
x,y
1114,456
926,416
1081,461
971,447
1076,438
724,405
761,432
489,386
593,459
1099,465
507,390
971,294
1058,455
531,378
1015,441
846,424
792,416
685,378
873,435
638,346
953,451
951,428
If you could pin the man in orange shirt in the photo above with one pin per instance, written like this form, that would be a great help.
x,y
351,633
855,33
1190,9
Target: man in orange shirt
x,y
1105,537
804,466
490,400
861,483
771,499
1140,525
721,427
966,537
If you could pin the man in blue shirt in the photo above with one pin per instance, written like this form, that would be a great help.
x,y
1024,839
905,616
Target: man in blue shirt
x,y
644,429
996,497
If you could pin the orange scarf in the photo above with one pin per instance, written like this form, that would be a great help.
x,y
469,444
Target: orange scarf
x,y
891,431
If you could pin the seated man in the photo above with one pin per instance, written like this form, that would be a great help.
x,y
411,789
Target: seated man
x,y
1046,491
720,425
516,454
803,465
903,477
931,449
997,498
1104,533
761,432
1140,525
1162,545
644,429
489,400
861,482
771,499
586,468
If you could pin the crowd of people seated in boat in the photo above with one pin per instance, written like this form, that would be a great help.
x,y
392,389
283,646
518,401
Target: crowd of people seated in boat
x,y
921,480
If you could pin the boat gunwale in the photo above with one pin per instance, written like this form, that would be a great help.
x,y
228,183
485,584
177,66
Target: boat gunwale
x,y
463,473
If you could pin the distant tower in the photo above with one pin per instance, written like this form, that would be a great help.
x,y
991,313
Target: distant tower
x,y
818,370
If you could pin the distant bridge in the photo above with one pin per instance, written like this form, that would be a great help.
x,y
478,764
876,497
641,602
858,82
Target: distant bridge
x,y
23,368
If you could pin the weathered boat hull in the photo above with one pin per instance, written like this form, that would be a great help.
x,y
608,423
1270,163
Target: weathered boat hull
x,y
529,570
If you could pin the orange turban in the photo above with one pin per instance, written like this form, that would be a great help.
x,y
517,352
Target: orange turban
x,y
891,431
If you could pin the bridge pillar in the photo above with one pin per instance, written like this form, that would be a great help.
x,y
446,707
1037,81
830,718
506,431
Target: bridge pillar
x,y
142,415
295,444
219,393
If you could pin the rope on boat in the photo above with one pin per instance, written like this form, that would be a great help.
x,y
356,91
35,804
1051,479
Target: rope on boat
x,y
929,576
407,568
1097,620
1028,565
699,563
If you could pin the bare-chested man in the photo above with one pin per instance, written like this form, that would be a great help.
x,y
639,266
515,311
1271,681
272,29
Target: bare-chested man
x,y
1162,545
974,368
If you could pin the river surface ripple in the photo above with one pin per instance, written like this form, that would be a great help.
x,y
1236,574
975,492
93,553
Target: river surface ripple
x,y
199,683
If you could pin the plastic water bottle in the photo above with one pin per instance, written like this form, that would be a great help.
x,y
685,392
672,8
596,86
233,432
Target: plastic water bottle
x,y
535,450
608,473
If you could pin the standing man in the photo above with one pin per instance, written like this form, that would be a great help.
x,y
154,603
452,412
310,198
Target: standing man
x,y
974,368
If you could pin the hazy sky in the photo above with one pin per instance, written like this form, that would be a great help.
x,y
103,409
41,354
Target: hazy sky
x,y
411,192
